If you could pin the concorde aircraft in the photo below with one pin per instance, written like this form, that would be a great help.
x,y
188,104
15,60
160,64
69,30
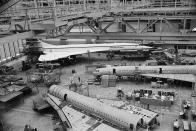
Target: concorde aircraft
x,y
55,52
176,72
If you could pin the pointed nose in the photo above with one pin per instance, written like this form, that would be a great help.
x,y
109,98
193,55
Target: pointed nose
x,y
147,47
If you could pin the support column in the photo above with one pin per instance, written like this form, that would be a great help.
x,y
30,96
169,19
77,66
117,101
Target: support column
x,y
19,51
5,53
84,5
89,57
161,3
175,3
14,49
9,50
110,4
138,26
54,11
0,57
184,26
99,4
36,8
161,25
125,4
69,5
194,88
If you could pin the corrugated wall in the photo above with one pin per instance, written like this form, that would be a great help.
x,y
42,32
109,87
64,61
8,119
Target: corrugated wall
x,y
11,49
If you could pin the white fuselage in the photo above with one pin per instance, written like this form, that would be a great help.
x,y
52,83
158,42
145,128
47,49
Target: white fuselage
x,y
56,52
131,70
121,118
108,46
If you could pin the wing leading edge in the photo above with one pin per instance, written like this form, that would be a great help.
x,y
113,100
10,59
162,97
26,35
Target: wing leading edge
x,y
181,77
68,52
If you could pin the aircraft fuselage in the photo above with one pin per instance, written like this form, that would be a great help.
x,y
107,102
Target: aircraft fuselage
x,y
131,70
123,119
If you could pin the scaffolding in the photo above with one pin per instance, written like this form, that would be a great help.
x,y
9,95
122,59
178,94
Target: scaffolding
x,y
46,9
57,17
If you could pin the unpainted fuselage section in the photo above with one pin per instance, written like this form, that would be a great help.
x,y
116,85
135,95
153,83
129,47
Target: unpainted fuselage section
x,y
131,70
121,118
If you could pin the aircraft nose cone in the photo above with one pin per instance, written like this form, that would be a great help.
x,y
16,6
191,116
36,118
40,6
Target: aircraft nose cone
x,y
148,47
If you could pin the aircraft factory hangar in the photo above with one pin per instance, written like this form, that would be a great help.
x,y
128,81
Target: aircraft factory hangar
x,y
97,65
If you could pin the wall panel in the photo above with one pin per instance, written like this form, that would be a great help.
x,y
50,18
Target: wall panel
x,y
7,50
16,46
20,45
171,27
12,49
2,53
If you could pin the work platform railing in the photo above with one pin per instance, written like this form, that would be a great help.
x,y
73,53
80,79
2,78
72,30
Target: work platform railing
x,y
41,10
152,4
48,15
52,10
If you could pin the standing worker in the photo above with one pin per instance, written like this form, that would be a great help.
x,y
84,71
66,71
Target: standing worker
x,y
26,128
120,93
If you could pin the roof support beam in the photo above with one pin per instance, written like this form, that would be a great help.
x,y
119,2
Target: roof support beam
x,y
7,5
104,30
141,31
131,27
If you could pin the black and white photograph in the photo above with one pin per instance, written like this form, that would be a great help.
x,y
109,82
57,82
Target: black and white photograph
x,y
97,65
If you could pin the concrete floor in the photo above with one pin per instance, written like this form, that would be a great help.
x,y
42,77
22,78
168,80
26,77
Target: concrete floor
x,y
21,113
167,114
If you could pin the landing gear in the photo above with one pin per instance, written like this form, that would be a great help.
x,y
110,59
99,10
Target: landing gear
x,y
110,55
68,60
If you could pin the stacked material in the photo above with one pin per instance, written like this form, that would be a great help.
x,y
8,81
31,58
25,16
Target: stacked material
x,y
151,63
149,97
108,80
91,68
193,126
12,86
156,102
159,84
17,63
